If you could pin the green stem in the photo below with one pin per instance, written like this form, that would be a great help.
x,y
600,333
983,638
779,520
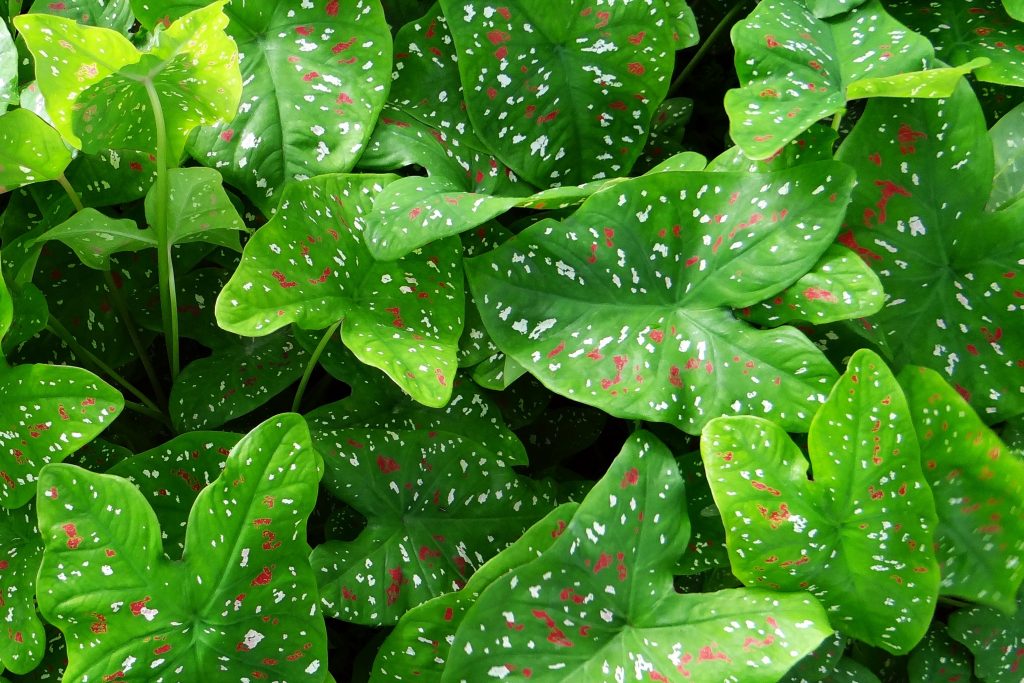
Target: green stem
x,y
313,360
56,328
836,120
72,194
148,412
165,267
706,46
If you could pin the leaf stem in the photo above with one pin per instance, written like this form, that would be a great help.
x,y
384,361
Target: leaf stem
x,y
56,328
71,192
165,266
148,412
836,120
725,23
313,360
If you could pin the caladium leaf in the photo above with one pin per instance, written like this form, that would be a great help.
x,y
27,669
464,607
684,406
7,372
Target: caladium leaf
x,y
625,305
47,412
310,266
172,475
417,648
8,69
706,547
796,69
599,602
112,14
198,209
112,176
839,287
859,536
615,59
1015,8
820,663
30,150
814,144
939,658
823,9
94,237
951,301
237,378
995,639
251,604
22,647
438,504
1007,137
665,137
979,493
963,30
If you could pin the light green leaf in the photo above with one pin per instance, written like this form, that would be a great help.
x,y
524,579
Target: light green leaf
x,y
199,209
23,647
94,237
1007,137
30,150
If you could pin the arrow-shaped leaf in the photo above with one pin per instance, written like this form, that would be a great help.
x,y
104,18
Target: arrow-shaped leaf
x,y
30,150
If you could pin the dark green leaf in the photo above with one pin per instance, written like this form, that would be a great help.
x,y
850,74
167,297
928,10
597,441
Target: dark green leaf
x,y
995,640
8,69
112,14
199,209
94,237
20,550
939,659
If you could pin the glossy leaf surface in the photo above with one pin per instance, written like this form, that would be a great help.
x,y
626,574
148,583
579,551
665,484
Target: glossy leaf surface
x,y
94,237
22,648
30,150
994,639
1008,145
199,209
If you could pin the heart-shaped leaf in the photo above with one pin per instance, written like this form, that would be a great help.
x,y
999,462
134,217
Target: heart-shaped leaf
x,y
625,305
418,646
310,266
939,658
615,60
20,549
599,602
979,493
995,640
198,209
30,150
1007,137
112,176
859,536
949,268
123,607
94,237
796,69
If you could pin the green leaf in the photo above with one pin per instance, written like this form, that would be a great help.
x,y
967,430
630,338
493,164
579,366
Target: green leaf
x,y
172,475
23,648
1015,8
8,69
859,536
30,150
995,639
706,548
199,209
241,601
112,14
936,82
309,266
47,413
817,665
823,9
616,63
948,267
1007,137
94,237
235,380
418,646
939,659
964,30
112,176
839,287
978,484
665,137
625,305
6,311
599,602
796,69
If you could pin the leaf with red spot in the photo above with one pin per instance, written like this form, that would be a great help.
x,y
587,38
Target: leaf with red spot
x,y
839,287
814,144
310,266
665,137
964,30
615,60
978,485
859,536
951,270
113,14
418,646
439,495
995,639
600,601
626,305
24,642
241,603
939,658
796,69
171,476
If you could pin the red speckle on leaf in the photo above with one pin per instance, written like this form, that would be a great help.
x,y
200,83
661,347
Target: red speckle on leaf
x,y
396,316
341,47
498,37
972,349
346,594
557,350
770,41
761,486
264,577
310,76
848,240
136,607
907,138
816,294
332,8
875,158
282,279
603,561
448,614
636,68
162,649
387,465
602,19
304,30
394,588
630,478
501,53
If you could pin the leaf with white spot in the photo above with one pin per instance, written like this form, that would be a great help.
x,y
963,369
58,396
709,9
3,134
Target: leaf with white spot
x,y
978,484
417,648
242,601
113,14
600,601
995,639
626,305
584,81
198,209
310,266
820,663
951,270
20,551
94,236
823,9
665,137
859,536
30,150
939,659
8,69
1007,137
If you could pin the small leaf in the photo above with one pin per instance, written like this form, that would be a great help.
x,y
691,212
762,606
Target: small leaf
x,y
995,639
199,209
94,237
30,150
1007,137
937,82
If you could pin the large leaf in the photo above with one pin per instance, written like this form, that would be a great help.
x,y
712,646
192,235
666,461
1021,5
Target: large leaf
x,y
949,268
30,150
316,76
995,640
20,549
1008,144
978,485
599,602
625,305
310,266
240,603
577,88
859,536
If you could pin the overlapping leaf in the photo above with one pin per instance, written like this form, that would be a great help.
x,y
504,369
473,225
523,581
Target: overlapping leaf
x,y
1007,137
94,237
8,69
30,150
978,485
198,209
244,579
859,536
950,269
625,305
939,658
112,14
599,602
22,646
310,266
523,60
995,640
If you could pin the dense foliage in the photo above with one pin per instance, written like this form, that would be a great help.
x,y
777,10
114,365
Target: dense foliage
x,y
399,340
